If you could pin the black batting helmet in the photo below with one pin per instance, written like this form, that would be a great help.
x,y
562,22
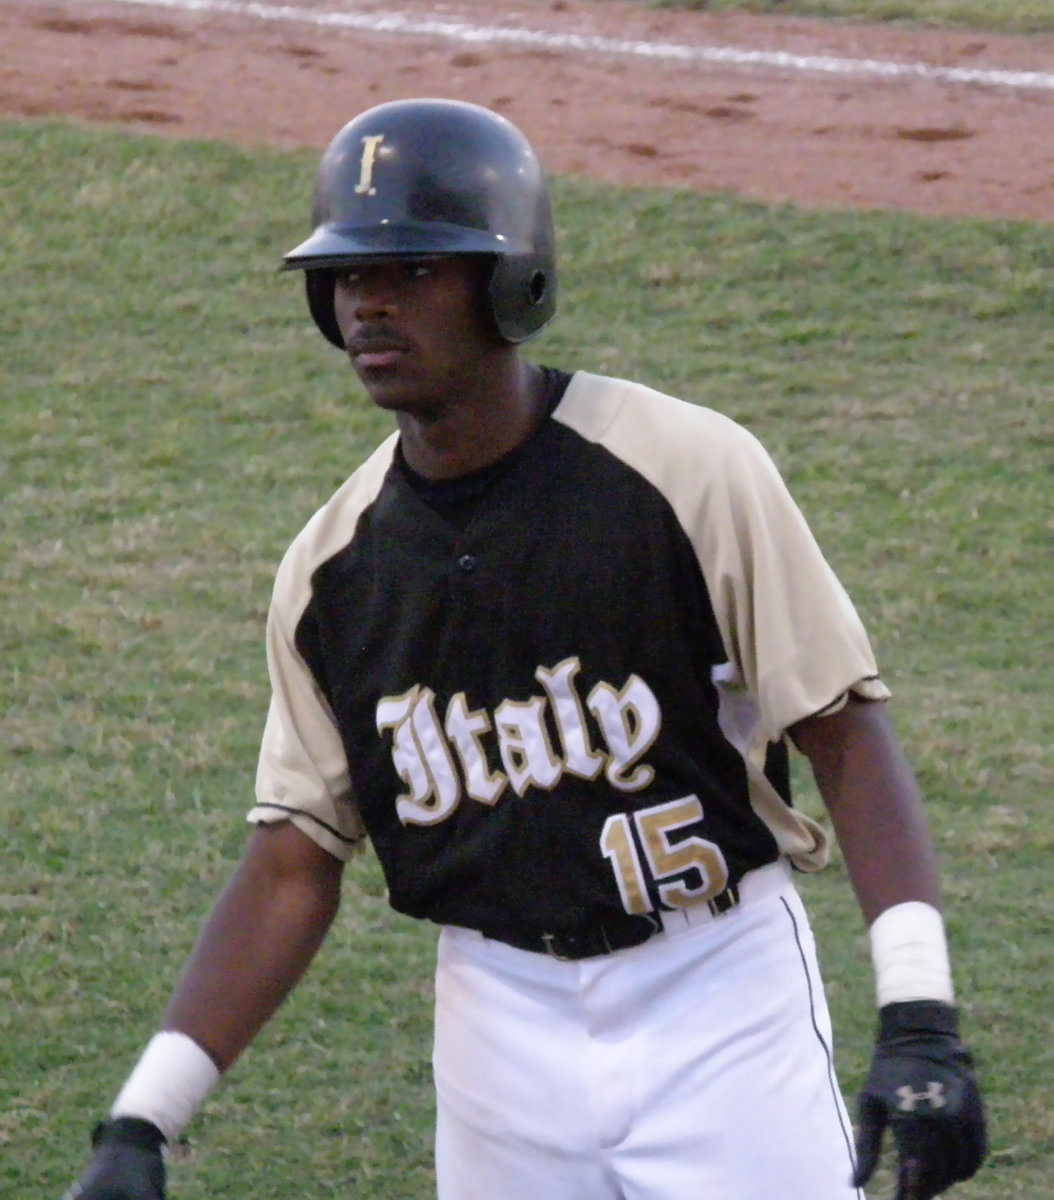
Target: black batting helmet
x,y
433,177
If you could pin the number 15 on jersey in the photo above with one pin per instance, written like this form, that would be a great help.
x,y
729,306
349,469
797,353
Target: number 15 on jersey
x,y
688,871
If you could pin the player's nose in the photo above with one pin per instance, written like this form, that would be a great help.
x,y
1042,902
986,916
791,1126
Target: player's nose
x,y
372,305
363,299
368,291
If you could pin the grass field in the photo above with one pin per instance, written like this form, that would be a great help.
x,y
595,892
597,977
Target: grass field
x,y
1017,16
168,420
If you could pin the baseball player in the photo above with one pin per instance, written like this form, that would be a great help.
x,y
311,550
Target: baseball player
x,y
546,650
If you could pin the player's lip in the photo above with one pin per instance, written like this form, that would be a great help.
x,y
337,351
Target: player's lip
x,y
376,350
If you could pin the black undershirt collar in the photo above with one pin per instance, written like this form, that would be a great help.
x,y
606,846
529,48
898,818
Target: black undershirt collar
x,y
458,499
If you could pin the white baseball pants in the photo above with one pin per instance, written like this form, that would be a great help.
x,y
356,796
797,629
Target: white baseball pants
x,y
694,1067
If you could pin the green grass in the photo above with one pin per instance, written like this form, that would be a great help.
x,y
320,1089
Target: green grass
x,y
1010,16
168,420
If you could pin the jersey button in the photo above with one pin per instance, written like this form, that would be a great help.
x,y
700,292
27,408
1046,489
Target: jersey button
x,y
467,562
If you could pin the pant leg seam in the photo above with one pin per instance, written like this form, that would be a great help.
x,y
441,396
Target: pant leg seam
x,y
828,1054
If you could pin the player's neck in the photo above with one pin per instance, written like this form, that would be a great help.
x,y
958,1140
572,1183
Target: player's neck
x,y
476,428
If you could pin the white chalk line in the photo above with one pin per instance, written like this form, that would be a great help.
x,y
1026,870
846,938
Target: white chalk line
x,y
461,31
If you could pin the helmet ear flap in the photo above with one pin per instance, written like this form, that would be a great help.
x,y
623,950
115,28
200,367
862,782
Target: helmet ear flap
x,y
320,285
522,295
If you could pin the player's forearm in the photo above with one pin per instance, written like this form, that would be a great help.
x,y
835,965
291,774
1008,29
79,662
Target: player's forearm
x,y
887,849
875,808
257,943
873,800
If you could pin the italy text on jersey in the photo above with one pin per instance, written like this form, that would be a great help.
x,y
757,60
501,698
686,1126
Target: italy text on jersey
x,y
427,754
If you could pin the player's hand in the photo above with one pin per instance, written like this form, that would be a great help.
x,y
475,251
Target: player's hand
x,y
921,1086
126,1165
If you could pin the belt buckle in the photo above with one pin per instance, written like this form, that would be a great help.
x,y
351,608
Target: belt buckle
x,y
597,942
655,921
549,942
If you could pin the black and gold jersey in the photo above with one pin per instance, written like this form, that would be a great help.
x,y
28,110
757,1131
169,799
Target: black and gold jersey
x,y
557,710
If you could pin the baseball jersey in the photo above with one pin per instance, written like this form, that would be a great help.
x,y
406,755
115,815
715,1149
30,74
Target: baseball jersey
x,y
557,712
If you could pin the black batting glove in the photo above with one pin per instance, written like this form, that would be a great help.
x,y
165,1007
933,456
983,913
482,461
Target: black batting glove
x,y
126,1165
921,1086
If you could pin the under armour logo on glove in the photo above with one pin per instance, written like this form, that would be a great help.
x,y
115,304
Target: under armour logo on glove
x,y
908,1100
922,1088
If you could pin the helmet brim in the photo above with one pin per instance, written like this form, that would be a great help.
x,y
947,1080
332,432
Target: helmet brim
x,y
332,247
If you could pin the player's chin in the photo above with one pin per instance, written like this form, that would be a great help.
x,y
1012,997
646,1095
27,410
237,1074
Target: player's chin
x,y
390,386
401,395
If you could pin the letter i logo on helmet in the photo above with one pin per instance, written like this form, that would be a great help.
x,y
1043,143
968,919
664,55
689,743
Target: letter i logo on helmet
x,y
417,177
369,152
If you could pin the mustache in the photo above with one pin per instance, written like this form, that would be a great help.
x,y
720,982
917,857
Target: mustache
x,y
375,338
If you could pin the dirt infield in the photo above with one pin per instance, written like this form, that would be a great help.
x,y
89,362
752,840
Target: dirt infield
x,y
769,130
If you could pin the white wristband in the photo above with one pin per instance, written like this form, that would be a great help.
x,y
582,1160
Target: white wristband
x,y
910,954
169,1083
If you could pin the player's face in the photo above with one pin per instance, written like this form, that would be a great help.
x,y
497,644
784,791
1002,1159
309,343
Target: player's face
x,y
416,329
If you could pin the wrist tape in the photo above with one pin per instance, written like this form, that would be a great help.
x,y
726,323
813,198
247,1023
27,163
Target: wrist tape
x,y
169,1083
910,954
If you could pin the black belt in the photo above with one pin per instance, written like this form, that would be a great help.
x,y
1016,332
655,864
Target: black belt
x,y
601,939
